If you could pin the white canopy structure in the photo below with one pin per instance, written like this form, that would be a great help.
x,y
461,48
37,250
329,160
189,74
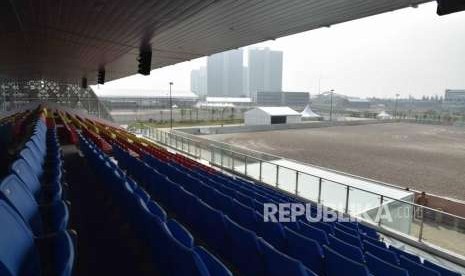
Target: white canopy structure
x,y
383,116
309,114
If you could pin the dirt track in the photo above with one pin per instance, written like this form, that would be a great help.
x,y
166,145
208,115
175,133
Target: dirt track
x,y
423,157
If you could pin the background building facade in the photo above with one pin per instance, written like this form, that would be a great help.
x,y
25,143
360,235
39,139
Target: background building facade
x,y
265,70
225,74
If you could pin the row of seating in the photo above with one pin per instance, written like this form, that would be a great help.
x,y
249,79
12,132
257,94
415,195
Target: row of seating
x,y
358,242
233,197
34,218
171,246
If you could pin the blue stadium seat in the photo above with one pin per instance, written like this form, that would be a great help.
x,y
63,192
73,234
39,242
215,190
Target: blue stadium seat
x,y
313,233
352,252
278,264
377,242
400,252
42,193
156,210
272,232
184,260
180,233
244,215
244,249
381,252
306,250
222,202
353,230
327,227
379,267
337,264
20,254
215,267
368,231
353,240
19,197
444,271
244,199
212,228
416,269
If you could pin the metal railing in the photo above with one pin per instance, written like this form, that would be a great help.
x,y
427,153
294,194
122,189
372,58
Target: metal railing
x,y
417,222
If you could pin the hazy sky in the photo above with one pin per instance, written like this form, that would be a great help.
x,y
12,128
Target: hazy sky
x,y
410,51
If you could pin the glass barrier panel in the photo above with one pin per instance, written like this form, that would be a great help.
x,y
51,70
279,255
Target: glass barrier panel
x,y
308,186
444,230
286,179
364,204
216,158
400,216
333,195
253,168
269,171
227,159
239,163
205,153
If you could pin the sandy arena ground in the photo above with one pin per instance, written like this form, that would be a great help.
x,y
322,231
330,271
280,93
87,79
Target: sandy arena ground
x,y
424,157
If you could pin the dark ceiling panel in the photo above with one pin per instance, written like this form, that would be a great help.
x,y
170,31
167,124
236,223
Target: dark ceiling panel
x,y
67,39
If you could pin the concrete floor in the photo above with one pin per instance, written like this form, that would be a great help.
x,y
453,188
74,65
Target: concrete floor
x,y
423,157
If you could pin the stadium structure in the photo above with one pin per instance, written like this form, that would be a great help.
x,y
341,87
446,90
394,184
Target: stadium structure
x,y
81,196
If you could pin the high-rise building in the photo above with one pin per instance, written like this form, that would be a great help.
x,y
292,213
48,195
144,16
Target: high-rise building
x,y
199,81
225,74
265,71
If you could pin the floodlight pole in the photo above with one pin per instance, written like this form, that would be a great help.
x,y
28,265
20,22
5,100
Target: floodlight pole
x,y
331,109
171,108
395,108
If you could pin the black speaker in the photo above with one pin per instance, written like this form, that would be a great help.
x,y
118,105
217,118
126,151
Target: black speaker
x,y
84,83
101,76
450,6
145,61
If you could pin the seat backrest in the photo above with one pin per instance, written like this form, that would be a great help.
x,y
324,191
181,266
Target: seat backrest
x,y
212,227
185,261
18,255
244,215
157,210
18,196
278,264
347,227
407,255
374,241
337,264
313,233
21,168
346,249
349,238
444,271
271,232
215,266
380,252
378,266
27,155
244,249
180,233
416,269
306,250
328,228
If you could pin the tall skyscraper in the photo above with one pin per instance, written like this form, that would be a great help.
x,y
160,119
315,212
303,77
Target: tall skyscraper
x,y
199,81
265,71
225,74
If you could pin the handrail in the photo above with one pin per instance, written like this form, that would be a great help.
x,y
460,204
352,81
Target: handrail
x,y
173,132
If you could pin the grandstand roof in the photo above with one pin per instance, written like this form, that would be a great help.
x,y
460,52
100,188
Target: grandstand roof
x,y
67,40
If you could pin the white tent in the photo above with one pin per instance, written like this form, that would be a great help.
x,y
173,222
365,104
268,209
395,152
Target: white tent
x,y
383,116
309,114
271,116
